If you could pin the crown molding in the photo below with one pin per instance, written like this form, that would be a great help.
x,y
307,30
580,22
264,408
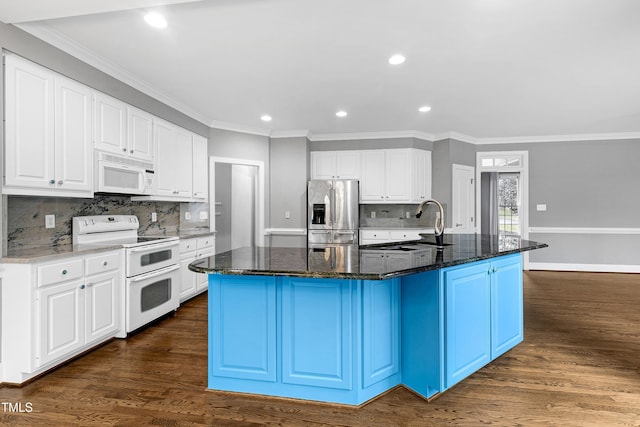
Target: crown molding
x,y
77,50
234,127
301,133
371,135
455,135
559,138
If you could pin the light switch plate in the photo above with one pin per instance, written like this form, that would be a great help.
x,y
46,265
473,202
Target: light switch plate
x,y
187,215
154,217
204,215
541,208
49,221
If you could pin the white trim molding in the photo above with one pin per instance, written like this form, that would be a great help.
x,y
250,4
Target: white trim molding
x,y
285,231
583,230
594,268
558,138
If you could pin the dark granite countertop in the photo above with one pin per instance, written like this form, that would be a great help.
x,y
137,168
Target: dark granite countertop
x,y
363,262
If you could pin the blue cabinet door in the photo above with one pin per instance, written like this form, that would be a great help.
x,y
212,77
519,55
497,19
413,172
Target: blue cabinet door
x,y
506,304
380,330
467,327
317,332
242,328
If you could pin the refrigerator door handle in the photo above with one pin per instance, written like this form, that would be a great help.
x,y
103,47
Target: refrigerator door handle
x,y
332,197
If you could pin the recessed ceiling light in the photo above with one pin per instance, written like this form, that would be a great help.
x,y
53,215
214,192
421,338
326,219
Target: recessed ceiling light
x,y
396,59
341,113
424,109
155,20
266,118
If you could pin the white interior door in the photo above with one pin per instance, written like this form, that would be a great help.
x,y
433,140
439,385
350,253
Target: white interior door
x,y
463,199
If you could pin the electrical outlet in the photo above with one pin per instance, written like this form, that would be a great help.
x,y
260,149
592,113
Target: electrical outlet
x,y
187,215
154,217
49,221
373,214
287,215
204,215
541,208
407,214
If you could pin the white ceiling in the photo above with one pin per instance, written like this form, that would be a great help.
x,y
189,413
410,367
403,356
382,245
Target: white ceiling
x,y
488,68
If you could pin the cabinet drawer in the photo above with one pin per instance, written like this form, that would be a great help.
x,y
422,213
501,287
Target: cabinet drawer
x,y
400,235
374,235
188,245
205,242
59,272
103,262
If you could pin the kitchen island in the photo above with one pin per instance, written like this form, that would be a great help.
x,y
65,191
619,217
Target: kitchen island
x,y
346,324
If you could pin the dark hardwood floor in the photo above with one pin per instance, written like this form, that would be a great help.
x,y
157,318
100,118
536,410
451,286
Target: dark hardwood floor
x,y
579,366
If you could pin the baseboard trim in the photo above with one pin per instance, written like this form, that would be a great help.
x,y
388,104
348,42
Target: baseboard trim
x,y
595,268
583,230
285,231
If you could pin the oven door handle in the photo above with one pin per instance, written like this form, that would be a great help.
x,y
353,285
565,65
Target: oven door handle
x,y
155,273
155,246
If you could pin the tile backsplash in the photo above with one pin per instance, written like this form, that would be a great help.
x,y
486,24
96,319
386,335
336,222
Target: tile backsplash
x,y
26,217
395,215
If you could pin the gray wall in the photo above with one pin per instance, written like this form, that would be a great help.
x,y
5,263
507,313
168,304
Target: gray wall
x,y
289,176
592,184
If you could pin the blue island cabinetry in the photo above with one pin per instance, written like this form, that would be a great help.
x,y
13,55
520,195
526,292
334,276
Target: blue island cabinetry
x,y
333,340
349,340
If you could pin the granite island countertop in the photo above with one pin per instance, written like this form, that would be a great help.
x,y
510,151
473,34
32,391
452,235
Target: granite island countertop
x,y
363,262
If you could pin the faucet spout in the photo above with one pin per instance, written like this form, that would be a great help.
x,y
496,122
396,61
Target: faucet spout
x,y
439,224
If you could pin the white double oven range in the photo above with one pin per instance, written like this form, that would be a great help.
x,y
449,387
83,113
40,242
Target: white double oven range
x,y
151,266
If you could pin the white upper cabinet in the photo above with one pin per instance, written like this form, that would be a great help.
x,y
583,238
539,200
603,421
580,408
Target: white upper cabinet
x,y
421,175
386,176
335,164
372,183
73,125
395,176
111,125
139,134
200,168
48,132
174,161
122,129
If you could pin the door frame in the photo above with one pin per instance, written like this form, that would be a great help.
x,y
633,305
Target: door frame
x,y
260,190
523,169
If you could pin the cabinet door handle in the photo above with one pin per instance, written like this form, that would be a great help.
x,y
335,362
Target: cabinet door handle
x,y
52,181
64,272
131,151
124,150
105,263
60,182
82,286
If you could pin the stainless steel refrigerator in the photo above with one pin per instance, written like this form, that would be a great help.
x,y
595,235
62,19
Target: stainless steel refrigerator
x,y
333,212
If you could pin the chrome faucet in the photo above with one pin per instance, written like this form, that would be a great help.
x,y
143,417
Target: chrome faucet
x,y
439,224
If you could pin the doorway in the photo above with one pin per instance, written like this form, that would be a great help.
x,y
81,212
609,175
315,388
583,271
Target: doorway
x,y
505,172
237,191
500,203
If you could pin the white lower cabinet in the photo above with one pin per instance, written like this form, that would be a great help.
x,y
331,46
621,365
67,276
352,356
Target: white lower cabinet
x,y
58,310
191,249
373,236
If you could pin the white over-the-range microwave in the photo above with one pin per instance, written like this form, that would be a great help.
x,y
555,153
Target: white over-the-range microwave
x,y
116,174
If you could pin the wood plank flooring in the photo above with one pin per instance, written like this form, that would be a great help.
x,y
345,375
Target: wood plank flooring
x,y
579,366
